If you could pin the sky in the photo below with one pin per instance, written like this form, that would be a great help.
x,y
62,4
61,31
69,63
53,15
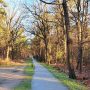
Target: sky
x,y
15,4
18,1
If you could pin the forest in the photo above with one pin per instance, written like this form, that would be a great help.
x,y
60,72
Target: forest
x,y
13,42
54,32
62,36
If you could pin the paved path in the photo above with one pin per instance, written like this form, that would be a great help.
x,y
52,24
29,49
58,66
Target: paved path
x,y
11,77
44,80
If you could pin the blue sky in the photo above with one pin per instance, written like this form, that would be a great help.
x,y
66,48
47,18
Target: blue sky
x,y
16,3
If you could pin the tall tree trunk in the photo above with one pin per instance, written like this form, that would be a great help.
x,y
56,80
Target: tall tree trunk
x,y
79,28
46,50
12,53
8,53
67,26
79,62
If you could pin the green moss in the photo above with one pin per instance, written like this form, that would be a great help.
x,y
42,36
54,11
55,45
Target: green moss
x,y
71,84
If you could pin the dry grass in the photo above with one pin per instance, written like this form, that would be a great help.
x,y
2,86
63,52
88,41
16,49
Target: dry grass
x,y
10,63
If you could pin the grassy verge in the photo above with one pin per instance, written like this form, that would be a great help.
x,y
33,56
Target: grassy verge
x,y
26,83
71,84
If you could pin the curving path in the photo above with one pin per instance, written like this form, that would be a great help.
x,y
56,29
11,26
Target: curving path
x,y
44,80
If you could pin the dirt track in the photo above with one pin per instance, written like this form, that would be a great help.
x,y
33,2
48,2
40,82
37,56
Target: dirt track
x,y
11,77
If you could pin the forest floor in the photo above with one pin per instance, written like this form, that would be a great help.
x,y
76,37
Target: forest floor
x,y
11,76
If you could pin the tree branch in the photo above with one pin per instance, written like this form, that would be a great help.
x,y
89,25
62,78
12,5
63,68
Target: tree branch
x,y
52,3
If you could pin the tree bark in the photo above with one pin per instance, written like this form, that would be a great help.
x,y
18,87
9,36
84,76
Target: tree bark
x,y
67,27
46,50
8,53
79,28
